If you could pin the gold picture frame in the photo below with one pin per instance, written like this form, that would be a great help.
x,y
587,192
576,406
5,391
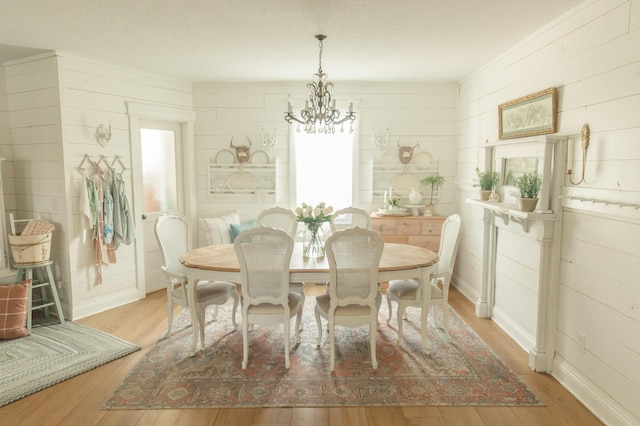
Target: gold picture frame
x,y
531,115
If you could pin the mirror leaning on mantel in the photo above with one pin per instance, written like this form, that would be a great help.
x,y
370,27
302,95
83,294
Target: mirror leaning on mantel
x,y
6,274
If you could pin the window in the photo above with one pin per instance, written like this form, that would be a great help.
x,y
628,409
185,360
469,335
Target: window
x,y
324,168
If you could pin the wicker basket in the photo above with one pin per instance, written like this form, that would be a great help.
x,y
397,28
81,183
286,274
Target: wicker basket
x,y
30,248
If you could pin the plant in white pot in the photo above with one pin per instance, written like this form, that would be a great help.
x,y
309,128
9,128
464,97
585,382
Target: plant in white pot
x,y
435,182
487,181
529,185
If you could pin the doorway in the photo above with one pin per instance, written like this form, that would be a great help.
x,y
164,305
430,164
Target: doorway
x,y
161,148
162,152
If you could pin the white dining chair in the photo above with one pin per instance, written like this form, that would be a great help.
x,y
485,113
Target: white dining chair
x,y
285,219
353,299
349,217
407,293
264,255
174,237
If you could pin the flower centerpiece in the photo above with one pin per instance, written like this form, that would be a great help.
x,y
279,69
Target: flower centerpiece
x,y
394,203
313,217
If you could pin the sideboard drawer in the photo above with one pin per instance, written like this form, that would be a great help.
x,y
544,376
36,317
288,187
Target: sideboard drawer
x,y
407,227
384,226
423,231
431,227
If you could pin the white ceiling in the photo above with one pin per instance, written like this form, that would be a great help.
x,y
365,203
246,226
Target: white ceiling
x,y
272,40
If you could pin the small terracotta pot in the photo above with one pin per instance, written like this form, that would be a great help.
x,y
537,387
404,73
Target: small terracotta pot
x,y
527,204
484,194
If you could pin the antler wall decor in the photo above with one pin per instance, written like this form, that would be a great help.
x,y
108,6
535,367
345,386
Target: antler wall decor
x,y
405,153
242,152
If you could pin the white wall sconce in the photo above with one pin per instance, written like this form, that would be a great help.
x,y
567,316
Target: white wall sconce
x,y
103,135
586,134
269,140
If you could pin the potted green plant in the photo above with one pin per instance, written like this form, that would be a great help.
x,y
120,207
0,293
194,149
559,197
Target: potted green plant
x,y
435,182
529,185
487,181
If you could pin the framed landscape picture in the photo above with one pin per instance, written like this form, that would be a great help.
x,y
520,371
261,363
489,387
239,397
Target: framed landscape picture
x,y
531,115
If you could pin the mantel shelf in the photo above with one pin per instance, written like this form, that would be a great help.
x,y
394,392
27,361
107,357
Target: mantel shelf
x,y
507,212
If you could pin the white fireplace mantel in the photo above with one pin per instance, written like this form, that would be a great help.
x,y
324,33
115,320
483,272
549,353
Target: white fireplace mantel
x,y
539,231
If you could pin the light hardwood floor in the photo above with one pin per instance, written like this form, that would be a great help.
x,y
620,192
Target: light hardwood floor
x,y
77,401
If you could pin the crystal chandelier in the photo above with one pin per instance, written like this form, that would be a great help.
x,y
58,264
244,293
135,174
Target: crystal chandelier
x,y
320,113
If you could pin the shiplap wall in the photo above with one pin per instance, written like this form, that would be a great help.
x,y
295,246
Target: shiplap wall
x,y
57,101
424,113
591,55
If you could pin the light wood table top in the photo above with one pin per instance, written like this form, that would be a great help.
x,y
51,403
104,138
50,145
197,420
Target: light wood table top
x,y
395,257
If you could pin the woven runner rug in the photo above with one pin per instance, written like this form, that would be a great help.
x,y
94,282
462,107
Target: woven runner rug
x,y
459,371
52,354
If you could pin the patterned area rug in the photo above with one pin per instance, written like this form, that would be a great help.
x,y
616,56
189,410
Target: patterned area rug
x,y
460,371
52,354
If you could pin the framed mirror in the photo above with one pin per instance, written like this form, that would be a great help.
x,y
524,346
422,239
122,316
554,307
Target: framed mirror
x,y
513,168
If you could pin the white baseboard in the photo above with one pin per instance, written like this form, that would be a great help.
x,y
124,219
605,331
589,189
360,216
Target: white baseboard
x,y
104,304
595,399
521,336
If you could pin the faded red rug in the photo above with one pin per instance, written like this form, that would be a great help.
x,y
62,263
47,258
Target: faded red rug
x,y
459,371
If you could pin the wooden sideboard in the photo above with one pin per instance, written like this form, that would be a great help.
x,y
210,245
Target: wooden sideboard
x,y
423,231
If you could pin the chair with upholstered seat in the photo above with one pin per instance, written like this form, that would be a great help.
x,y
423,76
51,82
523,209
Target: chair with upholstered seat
x,y
264,255
350,217
174,237
407,293
285,219
353,298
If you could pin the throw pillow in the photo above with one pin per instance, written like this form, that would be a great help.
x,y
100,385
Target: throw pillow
x,y
237,229
13,310
215,230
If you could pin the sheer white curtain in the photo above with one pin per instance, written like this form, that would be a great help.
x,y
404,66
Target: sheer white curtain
x,y
324,168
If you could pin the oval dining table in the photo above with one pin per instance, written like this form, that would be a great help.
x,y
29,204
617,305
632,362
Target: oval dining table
x,y
219,262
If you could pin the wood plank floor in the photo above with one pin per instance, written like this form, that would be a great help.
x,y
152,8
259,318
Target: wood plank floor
x,y
77,401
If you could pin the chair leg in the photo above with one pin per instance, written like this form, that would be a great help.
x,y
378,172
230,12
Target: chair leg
x,y
236,299
319,323
245,342
332,344
287,338
201,310
400,314
390,308
372,343
215,312
445,317
298,321
299,289
169,313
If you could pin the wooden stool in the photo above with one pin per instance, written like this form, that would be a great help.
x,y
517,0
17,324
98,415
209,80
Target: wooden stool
x,y
45,278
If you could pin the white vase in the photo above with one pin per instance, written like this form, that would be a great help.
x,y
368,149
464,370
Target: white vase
x,y
415,196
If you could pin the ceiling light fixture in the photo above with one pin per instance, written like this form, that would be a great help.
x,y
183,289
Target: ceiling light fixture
x,y
320,113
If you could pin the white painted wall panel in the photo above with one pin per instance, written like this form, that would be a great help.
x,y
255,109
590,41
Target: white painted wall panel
x,y
423,113
591,55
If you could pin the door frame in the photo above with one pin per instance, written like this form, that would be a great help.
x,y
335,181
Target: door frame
x,y
186,119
